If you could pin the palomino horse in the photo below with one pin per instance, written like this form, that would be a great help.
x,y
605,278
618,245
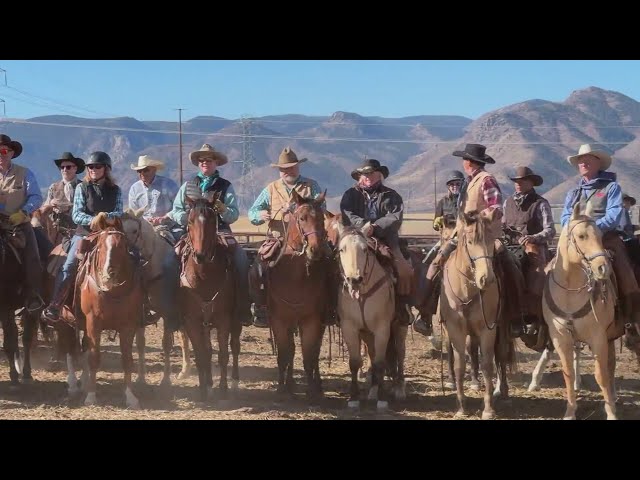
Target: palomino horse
x,y
470,305
296,293
154,250
578,305
366,307
109,297
11,298
207,296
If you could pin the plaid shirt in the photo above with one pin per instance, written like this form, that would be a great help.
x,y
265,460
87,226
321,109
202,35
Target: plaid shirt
x,y
80,215
489,188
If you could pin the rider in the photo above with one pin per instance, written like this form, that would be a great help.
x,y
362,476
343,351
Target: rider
x,y
270,206
370,202
208,180
97,193
480,192
19,198
530,215
60,194
601,196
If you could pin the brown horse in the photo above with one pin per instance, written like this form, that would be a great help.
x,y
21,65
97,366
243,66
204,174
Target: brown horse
x,y
109,297
207,296
11,298
52,222
296,293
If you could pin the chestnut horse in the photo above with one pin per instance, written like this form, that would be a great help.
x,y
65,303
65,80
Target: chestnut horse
x,y
207,296
109,297
296,293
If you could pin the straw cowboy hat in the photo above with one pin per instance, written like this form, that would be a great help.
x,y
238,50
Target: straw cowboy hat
x,y
588,149
475,152
526,172
145,161
207,151
288,158
12,144
368,166
68,157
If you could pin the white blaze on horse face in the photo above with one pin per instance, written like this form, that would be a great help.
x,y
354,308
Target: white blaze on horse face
x,y
201,218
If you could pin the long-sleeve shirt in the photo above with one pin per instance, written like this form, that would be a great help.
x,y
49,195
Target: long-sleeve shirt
x,y
611,219
263,202
180,212
80,215
33,199
157,198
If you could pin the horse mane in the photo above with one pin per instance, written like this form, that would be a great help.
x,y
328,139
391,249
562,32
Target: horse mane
x,y
475,218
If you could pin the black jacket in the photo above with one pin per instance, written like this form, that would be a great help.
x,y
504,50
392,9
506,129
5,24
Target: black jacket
x,y
389,208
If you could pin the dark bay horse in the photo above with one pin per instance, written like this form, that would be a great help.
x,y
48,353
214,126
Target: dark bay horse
x,y
11,298
296,293
207,296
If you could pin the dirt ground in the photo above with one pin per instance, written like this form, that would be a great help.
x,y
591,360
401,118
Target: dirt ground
x,y
256,398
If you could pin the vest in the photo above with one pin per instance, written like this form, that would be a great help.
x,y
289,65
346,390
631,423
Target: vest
x,y
472,199
523,217
13,189
57,193
219,185
449,209
96,201
279,199
596,201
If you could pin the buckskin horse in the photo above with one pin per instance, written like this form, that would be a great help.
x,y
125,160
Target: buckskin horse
x,y
207,296
108,296
296,293
579,305
11,298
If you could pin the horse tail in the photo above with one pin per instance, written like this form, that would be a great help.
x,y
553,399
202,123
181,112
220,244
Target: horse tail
x,y
391,356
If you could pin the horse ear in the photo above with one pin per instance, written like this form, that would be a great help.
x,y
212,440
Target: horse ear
x,y
138,213
216,197
321,197
295,197
328,215
189,200
576,211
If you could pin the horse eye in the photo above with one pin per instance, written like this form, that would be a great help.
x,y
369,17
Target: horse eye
x,y
582,236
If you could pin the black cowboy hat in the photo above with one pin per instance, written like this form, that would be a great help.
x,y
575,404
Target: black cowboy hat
x,y
368,166
475,152
455,176
12,144
68,157
526,172
631,199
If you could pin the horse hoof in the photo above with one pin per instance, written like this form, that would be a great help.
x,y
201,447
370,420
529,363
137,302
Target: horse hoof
x,y
570,417
353,404
533,387
184,374
488,415
382,406
90,400
460,414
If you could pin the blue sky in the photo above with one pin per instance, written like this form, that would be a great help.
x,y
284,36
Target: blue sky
x,y
151,89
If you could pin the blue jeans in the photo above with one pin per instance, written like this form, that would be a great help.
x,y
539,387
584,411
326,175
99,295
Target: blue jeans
x,y
67,274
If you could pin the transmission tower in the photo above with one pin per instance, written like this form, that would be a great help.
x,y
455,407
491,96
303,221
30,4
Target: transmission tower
x,y
248,192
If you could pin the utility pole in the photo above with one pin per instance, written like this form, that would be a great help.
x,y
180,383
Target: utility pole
x,y
180,137
4,108
248,162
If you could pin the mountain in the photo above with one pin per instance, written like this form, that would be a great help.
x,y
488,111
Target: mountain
x,y
417,150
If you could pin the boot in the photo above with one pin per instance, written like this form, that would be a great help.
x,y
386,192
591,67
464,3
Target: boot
x,y
260,316
51,314
423,324
403,314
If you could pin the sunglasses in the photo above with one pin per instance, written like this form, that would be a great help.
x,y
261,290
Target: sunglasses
x,y
144,170
95,167
67,167
5,151
205,160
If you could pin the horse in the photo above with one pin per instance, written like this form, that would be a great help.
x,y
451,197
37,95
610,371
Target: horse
x,y
296,293
366,307
582,309
12,298
469,301
153,250
108,296
207,296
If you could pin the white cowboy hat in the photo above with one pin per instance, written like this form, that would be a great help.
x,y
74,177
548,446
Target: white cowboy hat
x,y
145,161
588,149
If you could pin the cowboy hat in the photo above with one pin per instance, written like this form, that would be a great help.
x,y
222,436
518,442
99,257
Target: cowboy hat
x,y
12,144
68,157
526,172
626,196
207,151
288,158
588,149
475,152
368,166
145,161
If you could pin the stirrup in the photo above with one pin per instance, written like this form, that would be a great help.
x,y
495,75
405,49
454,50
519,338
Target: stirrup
x,y
41,304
